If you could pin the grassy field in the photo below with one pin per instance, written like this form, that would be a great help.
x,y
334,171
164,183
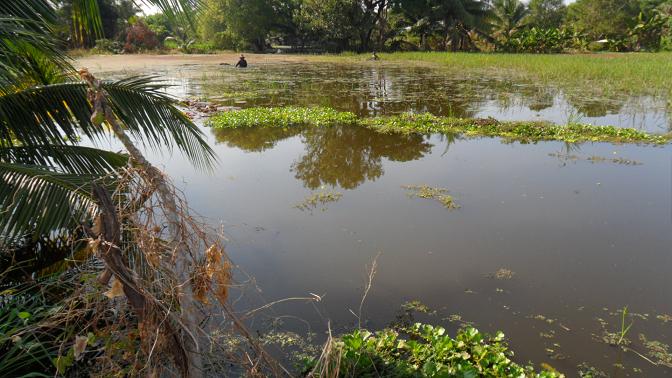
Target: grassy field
x,y
611,73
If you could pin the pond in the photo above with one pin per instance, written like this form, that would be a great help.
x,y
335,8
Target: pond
x,y
547,243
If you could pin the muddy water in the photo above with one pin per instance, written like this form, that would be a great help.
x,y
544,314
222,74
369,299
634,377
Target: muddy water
x,y
581,237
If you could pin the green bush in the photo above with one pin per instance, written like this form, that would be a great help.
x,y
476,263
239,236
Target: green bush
x,y
427,351
107,46
544,41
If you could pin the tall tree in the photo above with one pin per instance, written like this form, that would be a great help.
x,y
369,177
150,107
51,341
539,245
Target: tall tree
x,y
546,14
452,21
251,20
507,17
603,18
46,177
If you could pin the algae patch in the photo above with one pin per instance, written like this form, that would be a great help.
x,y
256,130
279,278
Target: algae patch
x,y
318,199
437,194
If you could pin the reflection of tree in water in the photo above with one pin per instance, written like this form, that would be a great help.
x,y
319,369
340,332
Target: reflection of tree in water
x,y
349,156
344,156
591,107
254,140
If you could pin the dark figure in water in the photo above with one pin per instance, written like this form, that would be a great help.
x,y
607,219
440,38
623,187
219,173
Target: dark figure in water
x,y
374,56
242,63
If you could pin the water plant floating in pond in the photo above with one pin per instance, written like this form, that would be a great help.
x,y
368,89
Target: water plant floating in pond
x,y
411,123
427,192
423,350
314,200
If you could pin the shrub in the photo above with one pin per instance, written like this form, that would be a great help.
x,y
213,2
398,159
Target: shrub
x,y
107,46
140,37
543,41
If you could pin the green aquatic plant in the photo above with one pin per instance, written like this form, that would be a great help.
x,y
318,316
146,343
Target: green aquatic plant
x,y
524,131
281,117
624,329
427,192
425,123
316,199
422,351
658,351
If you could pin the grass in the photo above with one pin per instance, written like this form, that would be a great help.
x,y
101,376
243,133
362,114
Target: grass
x,y
609,72
523,131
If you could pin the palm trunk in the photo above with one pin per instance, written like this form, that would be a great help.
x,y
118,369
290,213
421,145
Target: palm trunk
x,y
188,304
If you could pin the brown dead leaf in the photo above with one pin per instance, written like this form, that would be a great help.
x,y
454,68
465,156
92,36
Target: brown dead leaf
x,y
117,290
80,346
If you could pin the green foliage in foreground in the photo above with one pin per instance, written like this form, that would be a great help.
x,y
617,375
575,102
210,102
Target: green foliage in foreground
x,y
427,352
427,123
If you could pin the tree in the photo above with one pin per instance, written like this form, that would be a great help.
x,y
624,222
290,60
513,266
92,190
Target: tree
x,y
332,21
546,14
452,21
47,180
507,17
600,19
250,20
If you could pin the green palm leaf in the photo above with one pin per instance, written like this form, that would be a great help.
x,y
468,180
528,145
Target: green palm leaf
x,y
57,114
65,158
38,199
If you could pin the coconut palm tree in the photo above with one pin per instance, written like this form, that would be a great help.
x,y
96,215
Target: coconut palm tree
x,y
451,20
507,17
45,175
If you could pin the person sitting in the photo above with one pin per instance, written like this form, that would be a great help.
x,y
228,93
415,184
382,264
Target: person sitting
x,y
242,63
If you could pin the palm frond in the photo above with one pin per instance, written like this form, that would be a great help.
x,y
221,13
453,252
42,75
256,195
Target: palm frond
x,y
26,37
37,199
57,114
65,158
86,20
35,10
151,116
177,10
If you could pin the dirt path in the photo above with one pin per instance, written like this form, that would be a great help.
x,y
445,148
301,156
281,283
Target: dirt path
x,y
98,63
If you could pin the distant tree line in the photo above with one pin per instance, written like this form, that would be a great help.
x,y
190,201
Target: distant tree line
x,y
540,26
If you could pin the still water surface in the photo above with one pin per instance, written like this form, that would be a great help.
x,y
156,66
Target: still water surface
x,y
582,237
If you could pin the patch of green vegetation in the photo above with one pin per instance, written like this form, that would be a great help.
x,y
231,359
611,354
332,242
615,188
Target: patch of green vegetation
x,y
316,199
522,131
587,371
424,351
281,117
416,305
658,351
427,192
